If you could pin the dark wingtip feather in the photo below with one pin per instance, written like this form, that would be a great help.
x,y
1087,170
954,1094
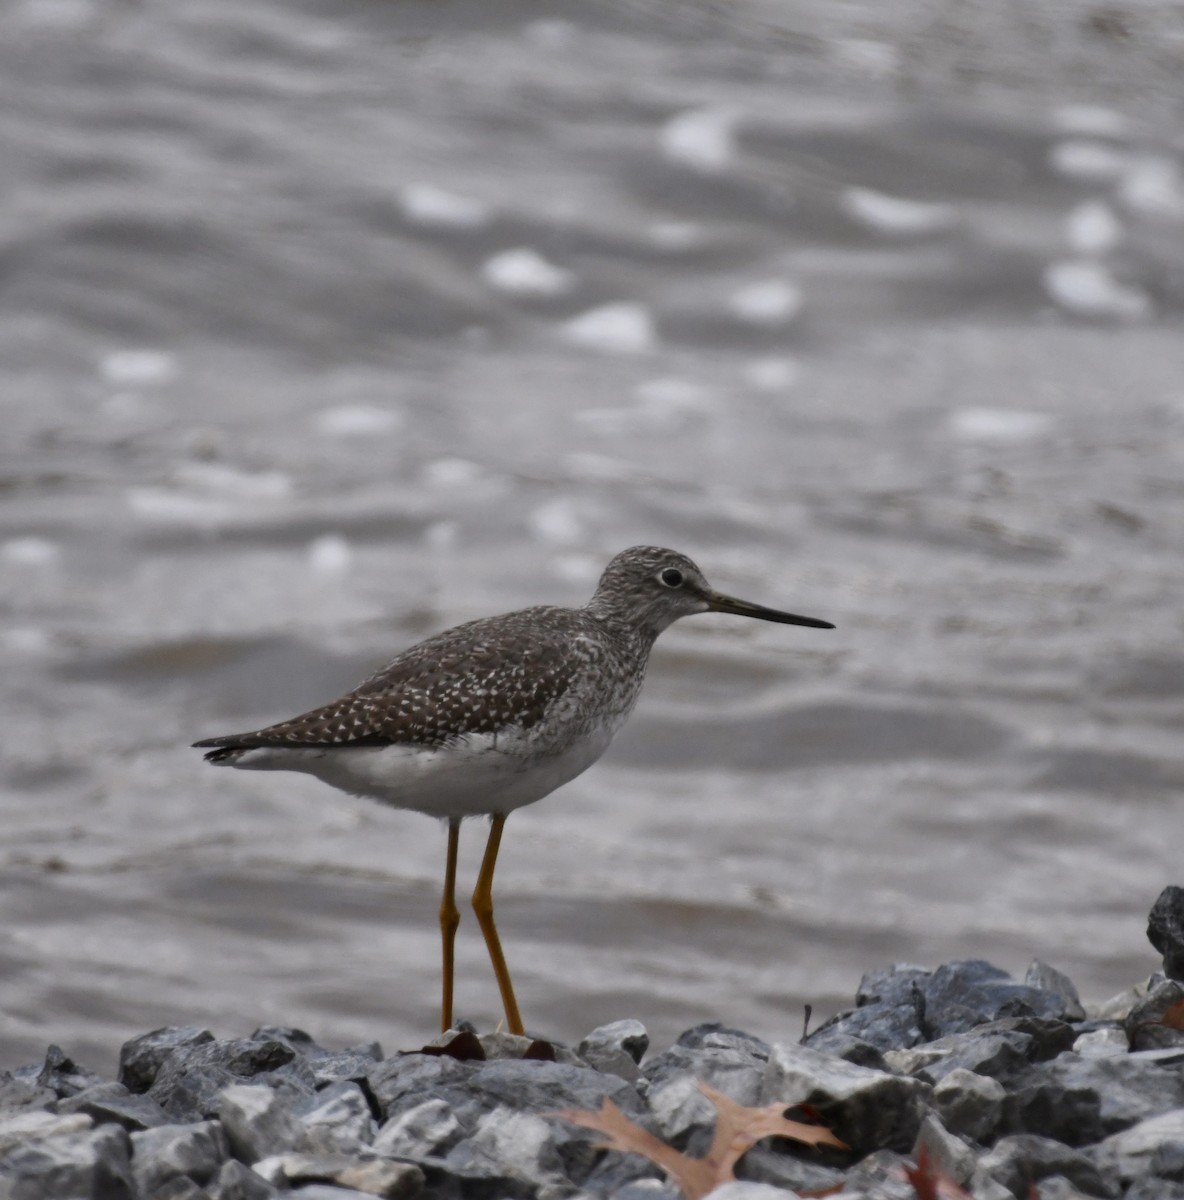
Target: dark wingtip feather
x,y
221,754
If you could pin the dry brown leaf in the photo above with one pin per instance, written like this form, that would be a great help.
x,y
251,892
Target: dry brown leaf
x,y
737,1129
930,1182
693,1175
1173,1016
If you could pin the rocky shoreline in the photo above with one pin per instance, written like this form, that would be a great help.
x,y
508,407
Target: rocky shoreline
x,y
955,1082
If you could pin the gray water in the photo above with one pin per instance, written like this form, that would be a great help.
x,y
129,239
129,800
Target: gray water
x,y
326,327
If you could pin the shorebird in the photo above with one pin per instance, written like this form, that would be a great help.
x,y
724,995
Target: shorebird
x,y
493,715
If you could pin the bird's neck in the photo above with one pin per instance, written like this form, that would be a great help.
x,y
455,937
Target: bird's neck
x,y
635,637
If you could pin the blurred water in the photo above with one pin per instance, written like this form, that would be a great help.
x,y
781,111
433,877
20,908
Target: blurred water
x,y
320,331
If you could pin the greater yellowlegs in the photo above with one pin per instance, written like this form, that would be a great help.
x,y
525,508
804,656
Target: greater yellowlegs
x,y
492,715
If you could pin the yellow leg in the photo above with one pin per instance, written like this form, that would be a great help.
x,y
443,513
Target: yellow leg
x,y
483,907
449,920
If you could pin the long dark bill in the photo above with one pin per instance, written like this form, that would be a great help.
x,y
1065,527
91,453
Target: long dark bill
x,y
717,602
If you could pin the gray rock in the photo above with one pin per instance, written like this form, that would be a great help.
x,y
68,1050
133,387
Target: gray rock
x,y
746,1190
190,1080
337,1119
999,1049
1145,1148
883,1025
167,1151
1117,1007
1048,979
1144,1024
426,1129
628,1036
406,1080
1165,930
141,1058
947,1150
514,1145
37,1125
324,1066
843,1044
63,1076
1168,1162
180,1188
867,1109
258,1122
643,1189
673,1095
21,1095
762,1164
616,1049
985,1187
370,1176
531,1086
890,985
713,1036
879,1176
87,1163
1155,1189
961,995
1020,1161
1056,1187
113,1102
622,1175
969,1104
1110,1041
236,1181
907,1005
500,1044
1078,1101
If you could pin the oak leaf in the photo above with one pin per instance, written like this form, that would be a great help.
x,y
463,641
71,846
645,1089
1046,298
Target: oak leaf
x,y
737,1129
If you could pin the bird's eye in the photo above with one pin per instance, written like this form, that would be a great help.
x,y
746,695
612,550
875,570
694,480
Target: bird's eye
x,y
670,577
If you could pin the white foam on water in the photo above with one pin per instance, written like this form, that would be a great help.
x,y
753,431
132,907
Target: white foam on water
x,y
441,535
677,235
1081,158
218,479
768,302
166,506
702,138
358,421
125,406
999,424
1087,288
139,368
551,33
623,328
772,374
1089,120
330,554
30,551
875,59
427,204
1093,228
27,640
525,272
559,522
668,399
896,215
56,15
1154,185
577,568
451,472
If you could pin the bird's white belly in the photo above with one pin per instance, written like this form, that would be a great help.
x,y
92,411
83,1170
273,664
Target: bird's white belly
x,y
479,774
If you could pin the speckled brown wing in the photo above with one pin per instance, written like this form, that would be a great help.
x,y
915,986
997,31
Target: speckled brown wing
x,y
480,677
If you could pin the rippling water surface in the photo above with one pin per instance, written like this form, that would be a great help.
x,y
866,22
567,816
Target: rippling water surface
x,y
323,330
